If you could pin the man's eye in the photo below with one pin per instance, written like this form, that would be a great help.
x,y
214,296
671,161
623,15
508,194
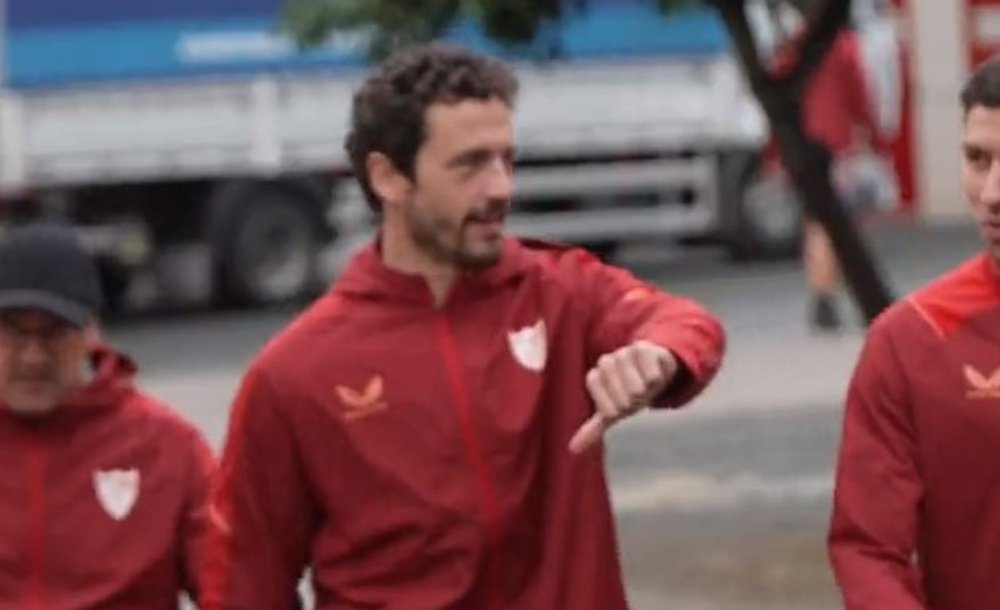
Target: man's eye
x,y
976,157
476,160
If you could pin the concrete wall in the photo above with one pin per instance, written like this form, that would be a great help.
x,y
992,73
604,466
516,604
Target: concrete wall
x,y
937,29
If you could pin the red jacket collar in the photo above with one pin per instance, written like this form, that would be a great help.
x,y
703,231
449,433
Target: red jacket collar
x,y
367,276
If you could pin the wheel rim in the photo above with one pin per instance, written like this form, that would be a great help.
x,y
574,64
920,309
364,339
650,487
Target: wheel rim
x,y
275,252
773,211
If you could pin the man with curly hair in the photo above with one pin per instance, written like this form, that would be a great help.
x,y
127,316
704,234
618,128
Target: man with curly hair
x,y
427,435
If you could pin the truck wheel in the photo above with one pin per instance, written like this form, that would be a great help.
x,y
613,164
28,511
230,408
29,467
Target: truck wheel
x,y
265,246
766,217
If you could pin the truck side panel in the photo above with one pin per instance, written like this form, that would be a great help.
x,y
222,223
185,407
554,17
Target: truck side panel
x,y
64,42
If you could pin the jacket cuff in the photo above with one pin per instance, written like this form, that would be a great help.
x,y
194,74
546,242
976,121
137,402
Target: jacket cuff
x,y
694,370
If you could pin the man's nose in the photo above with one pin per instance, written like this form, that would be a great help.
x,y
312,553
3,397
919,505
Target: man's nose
x,y
33,351
500,183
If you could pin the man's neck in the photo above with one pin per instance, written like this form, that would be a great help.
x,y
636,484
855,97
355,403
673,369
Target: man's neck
x,y
401,254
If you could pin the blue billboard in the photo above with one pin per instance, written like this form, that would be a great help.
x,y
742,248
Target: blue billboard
x,y
55,42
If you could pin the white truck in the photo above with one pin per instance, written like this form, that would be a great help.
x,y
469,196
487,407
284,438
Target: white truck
x,y
192,131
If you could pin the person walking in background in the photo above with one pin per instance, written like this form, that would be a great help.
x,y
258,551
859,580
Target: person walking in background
x,y
839,112
103,493
915,523
427,435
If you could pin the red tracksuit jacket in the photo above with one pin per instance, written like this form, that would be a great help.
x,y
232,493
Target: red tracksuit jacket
x,y
103,503
416,458
916,519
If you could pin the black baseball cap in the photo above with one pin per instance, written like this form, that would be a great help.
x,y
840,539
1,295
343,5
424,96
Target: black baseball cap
x,y
44,266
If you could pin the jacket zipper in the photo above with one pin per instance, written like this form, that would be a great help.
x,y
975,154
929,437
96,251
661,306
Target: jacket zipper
x,y
489,503
36,525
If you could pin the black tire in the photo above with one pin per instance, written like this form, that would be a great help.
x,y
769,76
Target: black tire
x,y
265,244
764,219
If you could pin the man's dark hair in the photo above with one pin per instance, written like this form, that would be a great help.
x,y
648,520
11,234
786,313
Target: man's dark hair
x,y
983,88
390,108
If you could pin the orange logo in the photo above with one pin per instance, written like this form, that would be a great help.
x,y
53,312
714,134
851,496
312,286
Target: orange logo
x,y
981,386
358,405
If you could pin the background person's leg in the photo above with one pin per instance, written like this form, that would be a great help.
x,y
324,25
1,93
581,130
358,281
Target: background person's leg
x,y
822,275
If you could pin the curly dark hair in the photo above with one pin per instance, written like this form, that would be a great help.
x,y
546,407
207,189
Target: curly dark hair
x,y
983,88
390,107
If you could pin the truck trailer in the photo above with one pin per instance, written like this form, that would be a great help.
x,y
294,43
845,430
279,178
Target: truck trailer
x,y
197,130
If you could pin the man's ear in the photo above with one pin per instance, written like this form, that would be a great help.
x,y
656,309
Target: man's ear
x,y
391,185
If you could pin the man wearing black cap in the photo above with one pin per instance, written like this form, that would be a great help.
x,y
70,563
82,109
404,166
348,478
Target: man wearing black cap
x,y
103,490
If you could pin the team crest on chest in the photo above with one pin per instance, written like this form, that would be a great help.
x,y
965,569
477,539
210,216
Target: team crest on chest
x,y
117,491
529,346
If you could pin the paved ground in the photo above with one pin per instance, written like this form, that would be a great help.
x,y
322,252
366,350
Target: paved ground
x,y
722,506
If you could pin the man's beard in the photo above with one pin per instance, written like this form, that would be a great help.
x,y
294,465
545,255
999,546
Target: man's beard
x,y
445,242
